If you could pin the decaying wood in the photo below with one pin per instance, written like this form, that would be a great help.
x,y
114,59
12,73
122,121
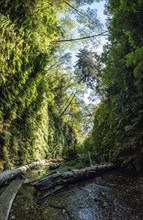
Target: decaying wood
x,y
12,174
7,198
52,183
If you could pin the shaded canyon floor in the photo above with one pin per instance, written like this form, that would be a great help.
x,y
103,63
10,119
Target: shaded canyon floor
x,y
113,195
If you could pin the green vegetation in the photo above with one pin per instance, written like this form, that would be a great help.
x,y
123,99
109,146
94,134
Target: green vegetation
x,y
118,128
42,109
29,124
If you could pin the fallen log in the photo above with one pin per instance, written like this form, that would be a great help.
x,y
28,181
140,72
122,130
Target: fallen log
x,y
9,175
7,198
52,183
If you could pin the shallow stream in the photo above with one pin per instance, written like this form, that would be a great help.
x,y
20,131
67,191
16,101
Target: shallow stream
x,y
113,195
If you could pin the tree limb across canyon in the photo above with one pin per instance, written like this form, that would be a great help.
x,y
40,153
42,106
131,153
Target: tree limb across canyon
x,y
83,38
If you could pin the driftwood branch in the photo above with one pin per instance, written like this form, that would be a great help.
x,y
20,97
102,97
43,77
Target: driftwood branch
x,y
7,198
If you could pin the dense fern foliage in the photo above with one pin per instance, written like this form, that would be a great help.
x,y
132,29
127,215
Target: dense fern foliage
x,y
29,126
42,113
118,128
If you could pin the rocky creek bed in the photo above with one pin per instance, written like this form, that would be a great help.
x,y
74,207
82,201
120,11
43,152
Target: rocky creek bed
x,y
113,195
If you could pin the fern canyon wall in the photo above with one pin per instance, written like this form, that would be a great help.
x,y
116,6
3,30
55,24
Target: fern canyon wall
x,y
70,82
30,128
